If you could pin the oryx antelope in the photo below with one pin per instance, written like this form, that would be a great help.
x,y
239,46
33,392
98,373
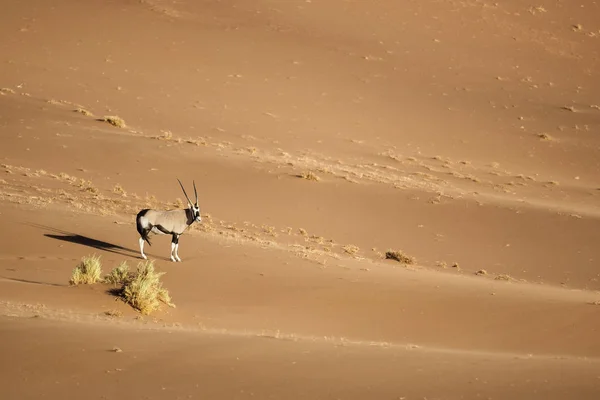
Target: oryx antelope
x,y
172,222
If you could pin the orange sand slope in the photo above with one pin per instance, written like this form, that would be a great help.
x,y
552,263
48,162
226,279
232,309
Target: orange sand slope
x,y
320,135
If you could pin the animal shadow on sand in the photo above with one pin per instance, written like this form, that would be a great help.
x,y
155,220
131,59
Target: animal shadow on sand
x,y
71,237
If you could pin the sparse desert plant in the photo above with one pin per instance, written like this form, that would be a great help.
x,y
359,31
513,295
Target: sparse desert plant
x,y
118,189
87,272
88,186
166,135
118,275
178,203
113,313
481,272
504,277
351,249
399,256
545,136
309,176
144,291
82,111
114,121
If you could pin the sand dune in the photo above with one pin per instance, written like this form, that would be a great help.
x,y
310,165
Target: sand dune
x,y
320,134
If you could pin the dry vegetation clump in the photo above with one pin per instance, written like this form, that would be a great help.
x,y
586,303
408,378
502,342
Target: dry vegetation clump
x,y
399,256
504,277
309,176
114,121
82,111
481,272
88,186
87,272
178,203
118,275
113,313
545,136
351,249
143,289
118,189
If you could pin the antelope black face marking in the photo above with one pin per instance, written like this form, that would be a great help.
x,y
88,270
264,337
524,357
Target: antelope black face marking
x,y
171,222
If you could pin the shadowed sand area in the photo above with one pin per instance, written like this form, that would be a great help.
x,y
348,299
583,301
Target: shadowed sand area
x,y
320,135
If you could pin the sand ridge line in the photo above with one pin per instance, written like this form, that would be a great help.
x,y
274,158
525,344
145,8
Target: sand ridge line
x,y
324,252
41,312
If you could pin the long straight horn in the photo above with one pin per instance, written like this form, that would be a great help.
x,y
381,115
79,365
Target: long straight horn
x,y
195,192
186,196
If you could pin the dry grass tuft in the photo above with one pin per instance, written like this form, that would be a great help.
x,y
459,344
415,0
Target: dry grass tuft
x,y
144,291
504,277
88,186
87,272
114,121
399,256
545,136
7,90
83,111
351,249
481,272
113,313
166,135
178,203
309,176
118,275
118,189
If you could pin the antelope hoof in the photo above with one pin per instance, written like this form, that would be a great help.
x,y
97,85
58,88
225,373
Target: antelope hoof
x,y
173,259
178,259
144,257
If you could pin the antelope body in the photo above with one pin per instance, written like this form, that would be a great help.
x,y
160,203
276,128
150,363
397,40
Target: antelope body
x,y
167,222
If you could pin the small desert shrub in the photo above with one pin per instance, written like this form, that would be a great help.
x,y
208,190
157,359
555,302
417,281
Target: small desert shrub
x,y
88,186
399,256
144,291
118,275
87,272
83,111
118,189
113,313
351,249
545,136
178,203
114,121
309,176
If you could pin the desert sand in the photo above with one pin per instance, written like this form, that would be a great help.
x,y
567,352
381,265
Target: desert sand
x,y
320,134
